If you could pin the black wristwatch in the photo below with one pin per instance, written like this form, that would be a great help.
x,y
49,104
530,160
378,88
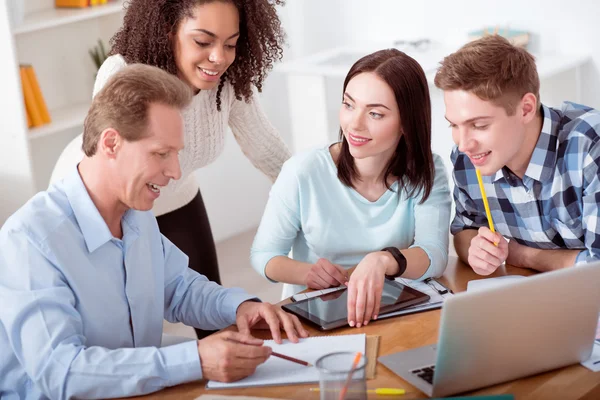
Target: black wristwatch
x,y
400,259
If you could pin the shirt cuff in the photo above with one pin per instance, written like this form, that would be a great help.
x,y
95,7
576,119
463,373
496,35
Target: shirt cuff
x,y
582,257
234,301
182,362
259,261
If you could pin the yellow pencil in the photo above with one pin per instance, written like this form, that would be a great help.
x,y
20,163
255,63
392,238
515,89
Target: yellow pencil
x,y
380,391
485,203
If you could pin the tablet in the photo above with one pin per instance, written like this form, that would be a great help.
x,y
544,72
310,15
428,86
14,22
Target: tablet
x,y
329,310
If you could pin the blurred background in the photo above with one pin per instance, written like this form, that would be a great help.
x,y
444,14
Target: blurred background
x,y
301,96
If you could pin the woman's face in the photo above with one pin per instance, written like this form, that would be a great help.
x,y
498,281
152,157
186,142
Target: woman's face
x,y
204,45
369,117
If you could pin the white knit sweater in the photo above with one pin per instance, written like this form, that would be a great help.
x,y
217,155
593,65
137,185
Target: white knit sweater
x,y
205,129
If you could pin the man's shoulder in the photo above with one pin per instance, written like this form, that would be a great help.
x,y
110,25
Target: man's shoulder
x,y
578,121
41,215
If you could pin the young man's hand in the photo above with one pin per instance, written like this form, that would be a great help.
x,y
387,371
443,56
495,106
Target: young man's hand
x,y
484,256
230,356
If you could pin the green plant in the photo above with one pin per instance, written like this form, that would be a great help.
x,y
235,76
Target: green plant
x,y
98,54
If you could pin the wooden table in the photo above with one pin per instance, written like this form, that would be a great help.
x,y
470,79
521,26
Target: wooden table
x,y
407,332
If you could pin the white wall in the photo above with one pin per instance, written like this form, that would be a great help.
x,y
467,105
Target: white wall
x,y
558,27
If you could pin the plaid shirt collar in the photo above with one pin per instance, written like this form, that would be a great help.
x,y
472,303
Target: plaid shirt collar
x,y
543,159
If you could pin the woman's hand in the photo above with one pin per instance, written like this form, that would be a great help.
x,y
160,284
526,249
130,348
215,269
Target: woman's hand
x,y
365,287
323,275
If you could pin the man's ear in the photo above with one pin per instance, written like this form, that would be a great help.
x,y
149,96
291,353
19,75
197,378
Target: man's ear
x,y
528,107
110,142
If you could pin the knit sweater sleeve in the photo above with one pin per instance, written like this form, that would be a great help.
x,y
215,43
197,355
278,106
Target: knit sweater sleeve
x,y
109,67
258,139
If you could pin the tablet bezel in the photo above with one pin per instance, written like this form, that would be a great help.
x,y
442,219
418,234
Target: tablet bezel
x,y
327,325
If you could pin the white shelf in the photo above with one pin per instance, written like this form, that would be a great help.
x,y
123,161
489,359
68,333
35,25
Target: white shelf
x,y
62,119
61,16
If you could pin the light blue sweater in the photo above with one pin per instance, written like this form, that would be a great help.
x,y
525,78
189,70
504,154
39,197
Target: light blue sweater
x,y
316,216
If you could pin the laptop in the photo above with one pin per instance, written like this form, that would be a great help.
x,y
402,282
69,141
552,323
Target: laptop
x,y
486,337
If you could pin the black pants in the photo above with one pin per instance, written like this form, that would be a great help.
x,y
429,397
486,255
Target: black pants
x,y
189,229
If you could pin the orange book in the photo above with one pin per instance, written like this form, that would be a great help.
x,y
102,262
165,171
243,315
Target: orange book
x,y
71,3
29,123
37,93
30,103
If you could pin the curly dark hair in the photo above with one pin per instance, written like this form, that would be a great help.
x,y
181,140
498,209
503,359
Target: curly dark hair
x,y
144,38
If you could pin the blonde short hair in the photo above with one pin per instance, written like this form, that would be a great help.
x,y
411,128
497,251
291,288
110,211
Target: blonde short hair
x,y
123,103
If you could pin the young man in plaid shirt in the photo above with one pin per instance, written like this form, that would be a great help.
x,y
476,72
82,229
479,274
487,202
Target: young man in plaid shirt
x,y
540,165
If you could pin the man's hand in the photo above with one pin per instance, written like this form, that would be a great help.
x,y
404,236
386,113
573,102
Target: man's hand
x,y
484,256
251,314
365,288
231,356
324,274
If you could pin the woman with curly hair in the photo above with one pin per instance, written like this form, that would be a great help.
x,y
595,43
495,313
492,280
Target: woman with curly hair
x,y
221,49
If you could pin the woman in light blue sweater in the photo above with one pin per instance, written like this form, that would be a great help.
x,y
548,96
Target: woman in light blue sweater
x,y
377,200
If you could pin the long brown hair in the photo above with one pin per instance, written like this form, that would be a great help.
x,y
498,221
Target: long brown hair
x,y
144,38
412,162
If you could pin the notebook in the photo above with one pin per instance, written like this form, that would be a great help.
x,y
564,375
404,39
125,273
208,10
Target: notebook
x,y
276,371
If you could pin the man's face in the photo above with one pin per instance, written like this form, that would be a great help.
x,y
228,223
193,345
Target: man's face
x,y
484,132
146,165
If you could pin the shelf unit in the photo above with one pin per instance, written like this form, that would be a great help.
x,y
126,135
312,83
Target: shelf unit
x,y
52,18
63,119
56,43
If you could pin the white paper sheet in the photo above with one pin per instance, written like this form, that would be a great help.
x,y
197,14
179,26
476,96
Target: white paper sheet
x,y
276,371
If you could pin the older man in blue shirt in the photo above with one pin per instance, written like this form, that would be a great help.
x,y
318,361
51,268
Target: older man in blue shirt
x,y
86,278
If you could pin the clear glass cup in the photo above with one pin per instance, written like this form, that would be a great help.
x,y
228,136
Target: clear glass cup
x,y
334,369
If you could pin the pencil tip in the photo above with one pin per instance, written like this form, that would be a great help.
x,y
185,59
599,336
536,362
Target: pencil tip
x,y
309,365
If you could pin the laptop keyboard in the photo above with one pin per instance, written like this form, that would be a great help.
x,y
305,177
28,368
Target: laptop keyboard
x,y
425,373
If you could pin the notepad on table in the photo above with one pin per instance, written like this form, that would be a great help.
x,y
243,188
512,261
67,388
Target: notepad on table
x,y
276,371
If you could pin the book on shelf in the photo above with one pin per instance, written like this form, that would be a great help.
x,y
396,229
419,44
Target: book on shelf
x,y
78,3
35,105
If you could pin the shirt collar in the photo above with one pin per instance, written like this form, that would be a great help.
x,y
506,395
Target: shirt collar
x,y
93,227
543,159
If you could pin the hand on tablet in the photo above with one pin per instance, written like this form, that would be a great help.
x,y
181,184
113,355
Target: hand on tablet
x,y
323,274
364,290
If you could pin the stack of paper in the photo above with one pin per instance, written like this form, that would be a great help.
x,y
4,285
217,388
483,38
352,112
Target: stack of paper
x,y
276,371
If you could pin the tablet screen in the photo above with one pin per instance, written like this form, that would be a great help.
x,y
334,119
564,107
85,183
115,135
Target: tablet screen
x,y
330,310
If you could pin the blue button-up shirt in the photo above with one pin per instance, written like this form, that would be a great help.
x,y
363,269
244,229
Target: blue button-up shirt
x,y
556,204
81,312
